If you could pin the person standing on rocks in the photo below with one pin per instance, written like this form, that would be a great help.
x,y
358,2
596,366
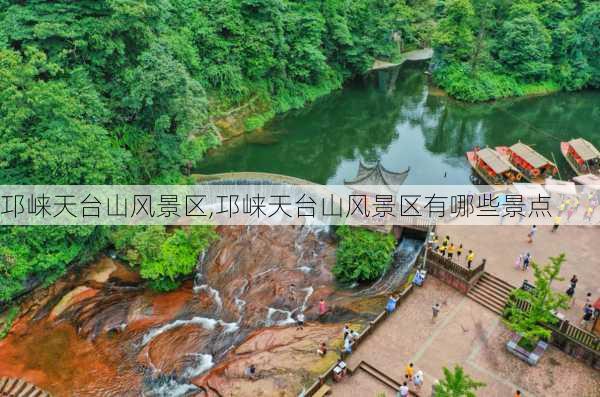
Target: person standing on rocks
x,y
300,321
418,379
391,304
322,308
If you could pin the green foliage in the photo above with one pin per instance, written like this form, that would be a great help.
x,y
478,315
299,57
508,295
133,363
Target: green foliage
x,y
117,92
456,383
44,252
7,322
487,50
362,255
163,257
543,301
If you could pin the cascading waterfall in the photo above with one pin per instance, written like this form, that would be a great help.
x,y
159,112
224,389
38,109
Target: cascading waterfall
x,y
405,256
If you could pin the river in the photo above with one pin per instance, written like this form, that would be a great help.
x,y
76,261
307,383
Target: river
x,y
412,125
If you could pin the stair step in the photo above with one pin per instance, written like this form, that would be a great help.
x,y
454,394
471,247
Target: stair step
x,y
2,383
490,290
27,391
494,309
498,281
487,296
9,385
18,387
380,376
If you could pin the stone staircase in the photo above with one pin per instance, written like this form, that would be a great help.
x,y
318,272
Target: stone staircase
x,y
10,387
491,292
381,377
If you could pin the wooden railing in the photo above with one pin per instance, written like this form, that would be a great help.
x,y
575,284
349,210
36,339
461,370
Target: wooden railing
x,y
563,328
453,267
373,324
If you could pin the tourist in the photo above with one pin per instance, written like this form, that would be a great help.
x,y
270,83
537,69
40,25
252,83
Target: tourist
x,y
519,262
403,391
391,304
570,292
588,312
442,250
418,379
574,281
436,310
561,208
346,330
250,372
322,308
470,257
409,372
557,220
531,234
348,345
589,212
446,241
300,321
451,250
322,350
588,298
570,213
459,252
292,292
526,261
518,393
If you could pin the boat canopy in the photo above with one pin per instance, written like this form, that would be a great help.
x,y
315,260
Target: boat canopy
x,y
533,158
494,161
560,187
589,180
585,150
530,190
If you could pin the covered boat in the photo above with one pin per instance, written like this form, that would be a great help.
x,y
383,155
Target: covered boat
x,y
582,156
534,167
492,167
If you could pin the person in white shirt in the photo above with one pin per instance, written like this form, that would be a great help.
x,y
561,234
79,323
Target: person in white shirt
x,y
403,392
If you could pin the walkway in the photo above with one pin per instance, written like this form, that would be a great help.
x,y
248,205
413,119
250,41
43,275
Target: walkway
x,y
501,245
466,334
416,55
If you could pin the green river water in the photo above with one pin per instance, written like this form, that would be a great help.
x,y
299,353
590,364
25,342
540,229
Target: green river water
x,y
408,126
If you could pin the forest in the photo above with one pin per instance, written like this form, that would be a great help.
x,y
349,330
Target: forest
x,y
125,92
122,92
487,50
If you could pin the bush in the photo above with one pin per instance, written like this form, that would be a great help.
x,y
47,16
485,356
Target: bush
x,y
164,257
362,255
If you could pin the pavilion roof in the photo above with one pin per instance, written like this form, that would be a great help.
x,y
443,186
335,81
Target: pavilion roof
x,y
584,149
376,174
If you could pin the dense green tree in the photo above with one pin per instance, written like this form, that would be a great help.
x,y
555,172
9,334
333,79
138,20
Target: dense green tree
x,y
542,302
362,255
163,257
524,46
456,383
509,48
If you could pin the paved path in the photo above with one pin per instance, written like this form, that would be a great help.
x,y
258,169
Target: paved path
x,y
501,245
466,334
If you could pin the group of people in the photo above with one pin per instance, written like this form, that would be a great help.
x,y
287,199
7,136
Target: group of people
x,y
522,262
447,247
410,376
